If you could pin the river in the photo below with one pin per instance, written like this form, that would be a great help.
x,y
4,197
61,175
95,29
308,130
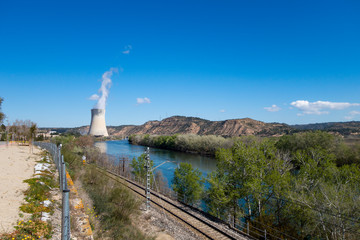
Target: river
x,y
123,148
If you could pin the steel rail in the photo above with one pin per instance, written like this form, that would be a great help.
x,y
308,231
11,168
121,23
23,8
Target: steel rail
x,y
196,228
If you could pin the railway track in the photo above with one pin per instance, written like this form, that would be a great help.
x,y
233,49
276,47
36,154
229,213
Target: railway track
x,y
202,227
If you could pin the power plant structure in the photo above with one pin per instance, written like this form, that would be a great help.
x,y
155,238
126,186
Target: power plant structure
x,y
98,125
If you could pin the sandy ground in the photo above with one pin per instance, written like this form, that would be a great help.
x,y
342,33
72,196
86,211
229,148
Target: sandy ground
x,y
16,165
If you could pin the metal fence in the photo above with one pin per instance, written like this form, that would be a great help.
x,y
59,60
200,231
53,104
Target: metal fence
x,y
58,159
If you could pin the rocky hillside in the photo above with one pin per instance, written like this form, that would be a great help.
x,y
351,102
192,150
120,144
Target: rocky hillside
x,y
191,125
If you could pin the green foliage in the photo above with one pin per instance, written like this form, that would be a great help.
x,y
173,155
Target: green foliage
x,y
3,133
114,205
252,171
217,199
139,167
207,144
188,184
306,140
2,115
32,131
32,229
38,191
331,191
316,200
344,154
40,138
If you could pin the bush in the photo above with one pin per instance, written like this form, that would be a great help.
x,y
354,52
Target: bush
x,y
113,203
207,144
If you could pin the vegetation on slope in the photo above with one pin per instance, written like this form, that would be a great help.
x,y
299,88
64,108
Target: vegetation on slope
x,y
113,203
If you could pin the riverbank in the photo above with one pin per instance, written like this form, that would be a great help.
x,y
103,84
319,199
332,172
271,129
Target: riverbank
x,y
205,145
16,165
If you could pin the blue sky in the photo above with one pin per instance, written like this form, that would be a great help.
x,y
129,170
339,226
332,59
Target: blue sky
x,y
274,61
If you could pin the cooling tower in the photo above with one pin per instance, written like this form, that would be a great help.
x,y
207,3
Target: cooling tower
x,y
98,126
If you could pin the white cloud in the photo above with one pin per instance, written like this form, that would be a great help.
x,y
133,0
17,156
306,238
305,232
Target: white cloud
x,y
94,97
143,100
352,115
273,108
222,110
319,107
127,49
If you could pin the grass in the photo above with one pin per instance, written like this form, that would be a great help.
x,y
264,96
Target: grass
x,y
113,206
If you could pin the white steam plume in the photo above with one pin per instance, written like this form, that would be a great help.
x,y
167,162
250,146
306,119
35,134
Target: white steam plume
x,y
104,89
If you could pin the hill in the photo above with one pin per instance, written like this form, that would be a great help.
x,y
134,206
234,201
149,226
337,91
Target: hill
x,y
192,125
226,128
343,128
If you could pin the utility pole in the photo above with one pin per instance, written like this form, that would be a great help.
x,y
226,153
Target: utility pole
x,y
148,171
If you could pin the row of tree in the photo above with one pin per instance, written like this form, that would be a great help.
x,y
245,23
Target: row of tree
x,y
209,144
302,192
206,144
18,130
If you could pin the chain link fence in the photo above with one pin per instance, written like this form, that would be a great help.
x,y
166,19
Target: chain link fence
x,y
58,159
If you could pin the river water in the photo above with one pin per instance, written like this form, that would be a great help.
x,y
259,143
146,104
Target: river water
x,y
123,148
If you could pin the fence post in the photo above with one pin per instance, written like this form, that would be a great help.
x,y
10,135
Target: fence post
x,y
65,230
63,170
59,158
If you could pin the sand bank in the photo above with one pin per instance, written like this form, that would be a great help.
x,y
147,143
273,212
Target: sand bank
x,y
16,165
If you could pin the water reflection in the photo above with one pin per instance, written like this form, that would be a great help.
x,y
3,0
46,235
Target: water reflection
x,y
102,146
122,148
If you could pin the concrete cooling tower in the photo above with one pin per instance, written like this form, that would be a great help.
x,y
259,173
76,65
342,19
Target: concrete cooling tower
x,y
98,126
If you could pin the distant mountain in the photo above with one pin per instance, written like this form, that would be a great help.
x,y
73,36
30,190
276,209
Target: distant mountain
x,y
343,128
227,128
192,125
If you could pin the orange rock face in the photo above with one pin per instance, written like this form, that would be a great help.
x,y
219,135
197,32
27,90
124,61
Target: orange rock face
x,y
191,125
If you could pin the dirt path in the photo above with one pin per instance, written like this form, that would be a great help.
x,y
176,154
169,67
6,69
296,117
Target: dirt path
x,y
16,165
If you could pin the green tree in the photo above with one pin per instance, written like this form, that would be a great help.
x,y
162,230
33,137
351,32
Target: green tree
x,y
217,199
188,184
307,140
344,153
139,167
249,177
2,115
32,131
328,196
